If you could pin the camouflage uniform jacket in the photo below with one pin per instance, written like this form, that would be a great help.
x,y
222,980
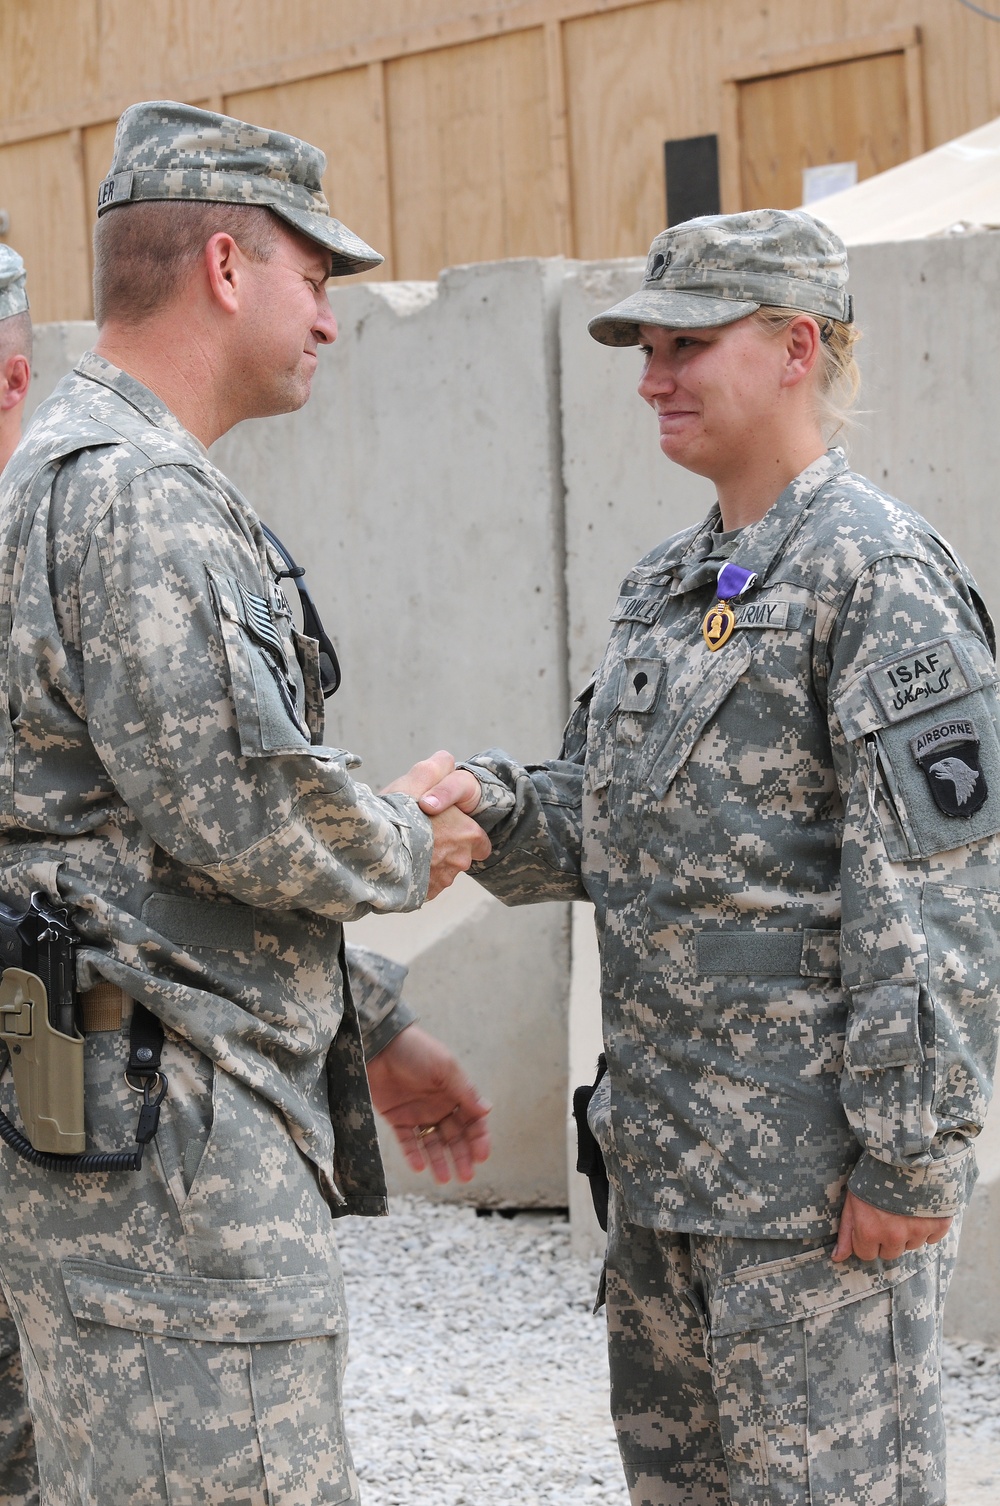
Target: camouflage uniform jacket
x,y
162,772
791,846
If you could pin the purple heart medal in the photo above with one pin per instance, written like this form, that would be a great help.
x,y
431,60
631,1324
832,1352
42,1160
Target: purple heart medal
x,y
720,619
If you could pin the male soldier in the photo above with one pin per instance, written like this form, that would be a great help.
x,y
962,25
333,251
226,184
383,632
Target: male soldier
x,y
15,350
182,1325
781,792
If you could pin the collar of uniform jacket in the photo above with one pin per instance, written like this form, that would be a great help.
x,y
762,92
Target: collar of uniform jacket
x,y
759,544
96,369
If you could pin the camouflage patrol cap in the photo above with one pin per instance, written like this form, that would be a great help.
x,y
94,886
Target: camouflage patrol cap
x,y
722,267
13,296
165,150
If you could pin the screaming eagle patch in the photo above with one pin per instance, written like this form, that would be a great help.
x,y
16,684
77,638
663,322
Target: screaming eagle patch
x,y
948,754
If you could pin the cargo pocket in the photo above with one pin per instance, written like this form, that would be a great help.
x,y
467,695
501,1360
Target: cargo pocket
x,y
209,1390
883,1086
267,698
825,1375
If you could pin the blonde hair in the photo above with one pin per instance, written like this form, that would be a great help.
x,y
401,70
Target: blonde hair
x,y
840,379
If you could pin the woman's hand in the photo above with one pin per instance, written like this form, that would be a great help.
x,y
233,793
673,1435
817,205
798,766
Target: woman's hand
x,y
870,1233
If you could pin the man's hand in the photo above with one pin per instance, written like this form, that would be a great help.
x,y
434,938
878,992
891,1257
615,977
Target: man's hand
x,y
439,1118
869,1232
458,841
458,788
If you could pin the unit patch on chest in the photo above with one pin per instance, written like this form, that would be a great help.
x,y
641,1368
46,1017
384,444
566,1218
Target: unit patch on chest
x,y
948,754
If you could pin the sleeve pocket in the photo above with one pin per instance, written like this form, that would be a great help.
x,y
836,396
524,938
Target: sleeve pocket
x,y
265,694
883,1084
936,777
962,925
932,787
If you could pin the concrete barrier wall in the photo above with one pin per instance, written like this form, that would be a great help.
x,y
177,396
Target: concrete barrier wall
x,y
930,362
470,481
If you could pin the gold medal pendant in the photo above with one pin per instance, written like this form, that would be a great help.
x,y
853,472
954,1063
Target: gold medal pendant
x,y
717,628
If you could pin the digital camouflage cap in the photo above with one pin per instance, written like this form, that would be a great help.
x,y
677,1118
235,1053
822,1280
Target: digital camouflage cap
x,y
165,150
721,267
13,294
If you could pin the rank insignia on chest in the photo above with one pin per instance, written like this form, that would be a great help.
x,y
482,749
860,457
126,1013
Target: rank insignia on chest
x,y
720,619
948,754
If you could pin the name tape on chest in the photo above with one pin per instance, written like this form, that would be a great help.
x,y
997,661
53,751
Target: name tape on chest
x,y
722,620
931,676
763,614
637,609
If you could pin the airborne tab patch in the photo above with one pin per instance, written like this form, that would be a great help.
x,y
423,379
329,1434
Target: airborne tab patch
x,y
948,754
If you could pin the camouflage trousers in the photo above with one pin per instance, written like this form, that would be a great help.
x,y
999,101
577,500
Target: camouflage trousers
x,y
757,1372
182,1329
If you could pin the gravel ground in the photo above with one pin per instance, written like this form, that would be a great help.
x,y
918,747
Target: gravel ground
x,y
478,1375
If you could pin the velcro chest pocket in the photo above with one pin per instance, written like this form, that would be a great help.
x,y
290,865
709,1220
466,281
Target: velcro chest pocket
x,y
698,693
929,718
268,698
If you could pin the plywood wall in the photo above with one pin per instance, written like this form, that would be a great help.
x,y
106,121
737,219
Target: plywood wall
x,y
468,141
473,129
856,110
343,114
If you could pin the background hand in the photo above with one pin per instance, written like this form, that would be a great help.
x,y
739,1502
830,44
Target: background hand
x,y
869,1232
416,1083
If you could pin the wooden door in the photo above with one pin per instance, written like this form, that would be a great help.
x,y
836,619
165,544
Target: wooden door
x,y
852,111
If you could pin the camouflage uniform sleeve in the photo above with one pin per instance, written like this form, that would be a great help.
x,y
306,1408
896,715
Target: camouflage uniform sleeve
x,y
377,991
191,699
533,814
913,718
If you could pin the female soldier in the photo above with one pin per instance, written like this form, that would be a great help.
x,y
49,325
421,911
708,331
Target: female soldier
x,y
782,793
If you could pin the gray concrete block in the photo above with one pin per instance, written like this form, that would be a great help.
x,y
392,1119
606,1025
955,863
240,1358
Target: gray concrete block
x,y
422,486
623,495
973,1307
492,983
929,312
57,348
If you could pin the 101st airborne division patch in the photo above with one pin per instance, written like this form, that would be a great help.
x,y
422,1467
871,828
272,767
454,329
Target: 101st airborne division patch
x,y
948,754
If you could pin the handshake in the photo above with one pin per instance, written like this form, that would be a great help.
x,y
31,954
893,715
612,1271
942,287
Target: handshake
x,y
446,795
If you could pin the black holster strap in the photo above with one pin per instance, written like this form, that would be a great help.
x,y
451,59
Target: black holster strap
x,y
145,1040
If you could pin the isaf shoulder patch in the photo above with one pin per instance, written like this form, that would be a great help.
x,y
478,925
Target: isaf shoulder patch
x,y
917,680
948,755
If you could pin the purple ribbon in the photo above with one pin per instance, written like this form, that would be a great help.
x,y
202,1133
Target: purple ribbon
x,y
733,581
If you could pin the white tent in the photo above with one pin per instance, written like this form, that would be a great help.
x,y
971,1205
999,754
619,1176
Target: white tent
x,y
954,187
